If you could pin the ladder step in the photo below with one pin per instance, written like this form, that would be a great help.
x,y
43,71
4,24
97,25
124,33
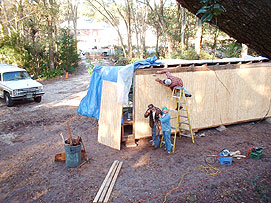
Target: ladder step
x,y
173,128
185,129
186,135
184,123
175,111
183,116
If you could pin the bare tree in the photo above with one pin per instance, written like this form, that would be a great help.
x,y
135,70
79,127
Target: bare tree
x,y
198,39
164,23
104,9
140,18
127,18
73,11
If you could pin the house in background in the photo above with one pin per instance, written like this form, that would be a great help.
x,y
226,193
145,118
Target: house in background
x,y
93,36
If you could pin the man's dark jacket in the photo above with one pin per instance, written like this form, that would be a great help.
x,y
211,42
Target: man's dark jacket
x,y
151,121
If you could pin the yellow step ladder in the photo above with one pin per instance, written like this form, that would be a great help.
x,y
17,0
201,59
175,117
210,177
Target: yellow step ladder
x,y
183,126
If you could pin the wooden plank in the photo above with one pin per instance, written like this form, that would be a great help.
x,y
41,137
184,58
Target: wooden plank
x,y
109,132
108,182
105,181
225,96
113,183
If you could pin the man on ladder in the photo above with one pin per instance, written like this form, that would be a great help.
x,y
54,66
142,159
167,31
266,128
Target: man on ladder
x,y
172,81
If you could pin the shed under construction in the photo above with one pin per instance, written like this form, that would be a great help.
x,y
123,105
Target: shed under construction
x,y
223,92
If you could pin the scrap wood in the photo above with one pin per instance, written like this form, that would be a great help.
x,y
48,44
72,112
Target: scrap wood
x,y
61,135
108,183
70,134
237,154
80,140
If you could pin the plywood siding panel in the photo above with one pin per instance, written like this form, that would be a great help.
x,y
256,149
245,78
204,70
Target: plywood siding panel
x,y
219,96
109,132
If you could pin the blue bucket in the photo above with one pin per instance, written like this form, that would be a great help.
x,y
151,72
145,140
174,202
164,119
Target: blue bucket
x,y
72,155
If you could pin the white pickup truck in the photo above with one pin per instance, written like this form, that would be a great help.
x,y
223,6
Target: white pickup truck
x,y
16,84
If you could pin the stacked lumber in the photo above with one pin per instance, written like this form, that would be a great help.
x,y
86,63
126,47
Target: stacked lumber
x,y
108,183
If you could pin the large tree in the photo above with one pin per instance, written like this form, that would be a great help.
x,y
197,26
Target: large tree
x,y
246,21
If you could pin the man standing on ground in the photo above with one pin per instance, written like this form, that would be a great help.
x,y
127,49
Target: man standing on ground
x,y
166,128
154,122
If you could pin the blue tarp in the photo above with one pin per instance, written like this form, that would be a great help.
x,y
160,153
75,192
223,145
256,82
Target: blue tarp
x,y
90,104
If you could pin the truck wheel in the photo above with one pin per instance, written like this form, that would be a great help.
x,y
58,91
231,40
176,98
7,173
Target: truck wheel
x,y
8,100
37,99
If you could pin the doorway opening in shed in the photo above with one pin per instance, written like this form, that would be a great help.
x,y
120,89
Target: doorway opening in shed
x,y
127,124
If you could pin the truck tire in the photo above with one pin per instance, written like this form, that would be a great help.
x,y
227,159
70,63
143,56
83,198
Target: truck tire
x,y
37,99
8,100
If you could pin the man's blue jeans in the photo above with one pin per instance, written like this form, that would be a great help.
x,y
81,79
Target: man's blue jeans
x,y
154,137
167,139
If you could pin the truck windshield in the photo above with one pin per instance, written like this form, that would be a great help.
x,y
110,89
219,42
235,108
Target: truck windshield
x,y
18,75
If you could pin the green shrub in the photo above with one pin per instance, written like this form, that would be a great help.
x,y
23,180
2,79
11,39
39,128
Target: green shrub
x,y
206,55
46,74
67,56
90,68
11,55
189,54
122,61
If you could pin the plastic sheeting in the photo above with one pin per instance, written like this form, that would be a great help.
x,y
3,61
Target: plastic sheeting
x,y
123,75
90,104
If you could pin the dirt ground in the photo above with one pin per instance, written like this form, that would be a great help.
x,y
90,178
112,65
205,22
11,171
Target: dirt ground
x,y
29,141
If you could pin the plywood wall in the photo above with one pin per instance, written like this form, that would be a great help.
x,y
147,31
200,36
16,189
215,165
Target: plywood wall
x,y
220,95
109,132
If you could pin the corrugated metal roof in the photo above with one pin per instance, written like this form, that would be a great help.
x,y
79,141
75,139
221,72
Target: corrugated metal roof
x,y
214,61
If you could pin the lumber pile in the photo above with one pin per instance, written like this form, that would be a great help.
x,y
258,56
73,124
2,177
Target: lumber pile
x,y
108,183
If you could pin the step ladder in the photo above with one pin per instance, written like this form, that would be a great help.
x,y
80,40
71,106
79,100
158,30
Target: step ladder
x,y
183,126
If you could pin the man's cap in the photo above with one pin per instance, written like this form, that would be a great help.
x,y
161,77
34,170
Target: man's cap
x,y
167,81
150,106
164,108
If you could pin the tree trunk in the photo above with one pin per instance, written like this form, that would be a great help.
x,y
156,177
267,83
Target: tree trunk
x,y
121,43
183,22
170,47
143,33
74,10
246,21
51,45
130,47
244,50
157,42
215,41
198,36
143,45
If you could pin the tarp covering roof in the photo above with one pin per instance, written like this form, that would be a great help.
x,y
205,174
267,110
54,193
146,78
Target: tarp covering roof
x,y
123,75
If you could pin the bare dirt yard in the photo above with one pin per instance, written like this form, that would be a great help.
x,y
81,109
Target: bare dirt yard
x,y
29,140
